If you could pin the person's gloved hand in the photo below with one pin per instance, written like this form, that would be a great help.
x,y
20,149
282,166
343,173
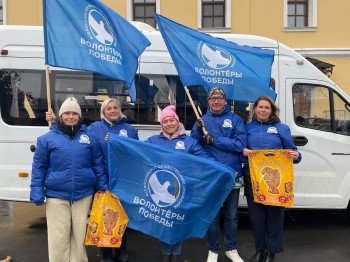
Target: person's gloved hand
x,y
209,139
199,125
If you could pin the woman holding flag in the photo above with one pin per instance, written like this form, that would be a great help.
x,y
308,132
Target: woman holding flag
x,y
112,121
67,169
173,136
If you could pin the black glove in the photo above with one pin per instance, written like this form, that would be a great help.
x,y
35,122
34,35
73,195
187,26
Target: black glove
x,y
209,139
199,126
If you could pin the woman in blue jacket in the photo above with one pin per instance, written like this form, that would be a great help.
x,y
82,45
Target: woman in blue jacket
x,y
173,136
67,167
266,132
112,121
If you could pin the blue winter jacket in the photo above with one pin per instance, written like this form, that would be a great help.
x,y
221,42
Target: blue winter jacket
x,y
101,128
270,135
230,137
183,142
66,168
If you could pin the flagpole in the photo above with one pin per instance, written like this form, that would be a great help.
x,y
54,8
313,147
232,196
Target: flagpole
x,y
48,92
205,132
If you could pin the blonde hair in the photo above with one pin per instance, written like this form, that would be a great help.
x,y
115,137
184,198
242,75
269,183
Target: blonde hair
x,y
105,104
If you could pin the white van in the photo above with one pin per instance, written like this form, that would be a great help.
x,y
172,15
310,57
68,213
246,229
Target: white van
x,y
317,111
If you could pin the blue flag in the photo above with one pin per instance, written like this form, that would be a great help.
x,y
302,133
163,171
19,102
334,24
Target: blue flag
x,y
87,35
168,194
244,72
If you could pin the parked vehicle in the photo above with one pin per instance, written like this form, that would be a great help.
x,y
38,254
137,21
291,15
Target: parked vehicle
x,y
317,111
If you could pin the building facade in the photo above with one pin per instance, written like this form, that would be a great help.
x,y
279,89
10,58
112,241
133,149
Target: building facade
x,y
315,29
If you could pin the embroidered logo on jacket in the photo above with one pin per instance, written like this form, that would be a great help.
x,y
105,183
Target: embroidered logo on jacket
x,y
272,130
180,145
227,123
123,133
84,139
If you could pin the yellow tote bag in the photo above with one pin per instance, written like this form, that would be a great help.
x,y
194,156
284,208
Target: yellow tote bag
x,y
108,221
272,176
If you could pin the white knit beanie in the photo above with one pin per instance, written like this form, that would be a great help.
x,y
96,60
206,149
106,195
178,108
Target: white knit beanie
x,y
70,105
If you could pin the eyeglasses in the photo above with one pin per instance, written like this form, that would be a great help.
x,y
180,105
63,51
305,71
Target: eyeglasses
x,y
219,99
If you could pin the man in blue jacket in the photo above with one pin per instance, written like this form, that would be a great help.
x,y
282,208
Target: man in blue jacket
x,y
224,139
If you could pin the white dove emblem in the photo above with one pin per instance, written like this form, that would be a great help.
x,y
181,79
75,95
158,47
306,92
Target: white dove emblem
x,y
101,33
160,191
215,58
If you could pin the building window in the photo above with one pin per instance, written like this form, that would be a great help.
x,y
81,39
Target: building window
x,y
144,10
1,12
214,16
213,13
300,15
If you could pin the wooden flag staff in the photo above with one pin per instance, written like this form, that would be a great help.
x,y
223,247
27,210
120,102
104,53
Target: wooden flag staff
x,y
205,132
48,92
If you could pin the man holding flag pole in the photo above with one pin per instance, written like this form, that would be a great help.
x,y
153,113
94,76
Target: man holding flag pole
x,y
224,140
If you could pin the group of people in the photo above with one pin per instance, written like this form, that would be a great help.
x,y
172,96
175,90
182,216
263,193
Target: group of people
x,y
70,164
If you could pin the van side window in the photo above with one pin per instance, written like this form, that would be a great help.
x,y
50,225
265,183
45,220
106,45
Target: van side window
x,y
318,107
154,92
21,99
23,96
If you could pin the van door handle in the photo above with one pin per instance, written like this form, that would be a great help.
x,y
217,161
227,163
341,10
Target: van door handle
x,y
300,140
341,154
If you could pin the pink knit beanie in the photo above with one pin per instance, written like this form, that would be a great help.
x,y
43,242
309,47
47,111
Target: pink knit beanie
x,y
168,111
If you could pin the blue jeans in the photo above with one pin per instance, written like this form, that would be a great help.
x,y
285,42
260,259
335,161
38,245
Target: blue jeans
x,y
229,210
168,249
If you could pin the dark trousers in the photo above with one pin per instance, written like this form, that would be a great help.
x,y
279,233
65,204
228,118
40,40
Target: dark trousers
x,y
267,224
107,252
